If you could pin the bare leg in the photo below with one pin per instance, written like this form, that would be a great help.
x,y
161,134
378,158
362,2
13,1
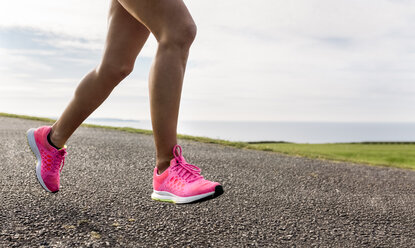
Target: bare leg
x,y
126,36
175,30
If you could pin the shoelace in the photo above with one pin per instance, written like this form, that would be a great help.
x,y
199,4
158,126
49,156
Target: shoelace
x,y
189,172
60,157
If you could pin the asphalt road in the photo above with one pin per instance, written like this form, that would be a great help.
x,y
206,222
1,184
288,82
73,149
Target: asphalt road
x,y
270,200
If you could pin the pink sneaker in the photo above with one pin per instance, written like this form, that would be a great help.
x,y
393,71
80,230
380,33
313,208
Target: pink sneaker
x,y
182,182
49,159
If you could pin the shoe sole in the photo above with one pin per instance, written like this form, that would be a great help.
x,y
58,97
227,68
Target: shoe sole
x,y
165,196
32,144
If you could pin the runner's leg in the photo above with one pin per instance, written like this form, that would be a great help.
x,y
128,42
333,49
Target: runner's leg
x,y
175,30
126,36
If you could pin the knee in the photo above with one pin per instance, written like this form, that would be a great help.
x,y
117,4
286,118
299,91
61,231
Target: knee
x,y
113,71
180,38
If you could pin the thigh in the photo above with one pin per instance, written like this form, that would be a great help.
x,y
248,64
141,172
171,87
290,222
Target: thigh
x,y
161,17
125,38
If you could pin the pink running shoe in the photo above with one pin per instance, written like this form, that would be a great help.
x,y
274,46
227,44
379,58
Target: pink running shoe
x,y
49,159
182,182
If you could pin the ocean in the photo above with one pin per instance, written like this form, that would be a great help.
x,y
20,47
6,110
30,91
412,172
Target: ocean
x,y
299,132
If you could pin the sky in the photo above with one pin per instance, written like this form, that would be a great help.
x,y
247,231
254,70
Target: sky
x,y
268,60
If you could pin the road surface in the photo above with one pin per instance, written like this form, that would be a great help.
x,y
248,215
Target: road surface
x,y
270,200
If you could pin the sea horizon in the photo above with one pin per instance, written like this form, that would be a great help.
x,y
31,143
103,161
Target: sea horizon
x,y
282,131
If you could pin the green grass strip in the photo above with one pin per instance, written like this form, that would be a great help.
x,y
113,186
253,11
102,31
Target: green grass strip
x,y
392,154
399,154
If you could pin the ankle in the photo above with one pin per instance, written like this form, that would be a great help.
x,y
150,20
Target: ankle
x,y
162,165
55,139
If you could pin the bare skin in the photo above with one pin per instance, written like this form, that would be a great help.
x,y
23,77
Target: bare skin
x,y
130,22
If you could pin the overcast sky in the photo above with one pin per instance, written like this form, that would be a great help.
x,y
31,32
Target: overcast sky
x,y
268,60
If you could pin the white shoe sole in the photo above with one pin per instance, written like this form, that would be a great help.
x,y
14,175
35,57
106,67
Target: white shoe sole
x,y
169,197
32,143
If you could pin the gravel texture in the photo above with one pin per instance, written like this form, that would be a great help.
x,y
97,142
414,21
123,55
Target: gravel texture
x,y
270,200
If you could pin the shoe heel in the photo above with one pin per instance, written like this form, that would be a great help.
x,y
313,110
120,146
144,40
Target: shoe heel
x,y
32,144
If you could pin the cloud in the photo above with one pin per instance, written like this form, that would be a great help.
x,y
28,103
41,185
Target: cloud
x,y
41,74
311,55
74,18
303,60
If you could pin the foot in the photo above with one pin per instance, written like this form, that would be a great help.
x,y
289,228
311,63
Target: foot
x,y
182,182
49,159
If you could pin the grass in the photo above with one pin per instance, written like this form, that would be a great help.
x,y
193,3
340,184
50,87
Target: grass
x,y
400,155
392,154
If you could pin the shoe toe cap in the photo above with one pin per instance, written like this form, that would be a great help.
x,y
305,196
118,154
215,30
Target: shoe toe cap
x,y
204,187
